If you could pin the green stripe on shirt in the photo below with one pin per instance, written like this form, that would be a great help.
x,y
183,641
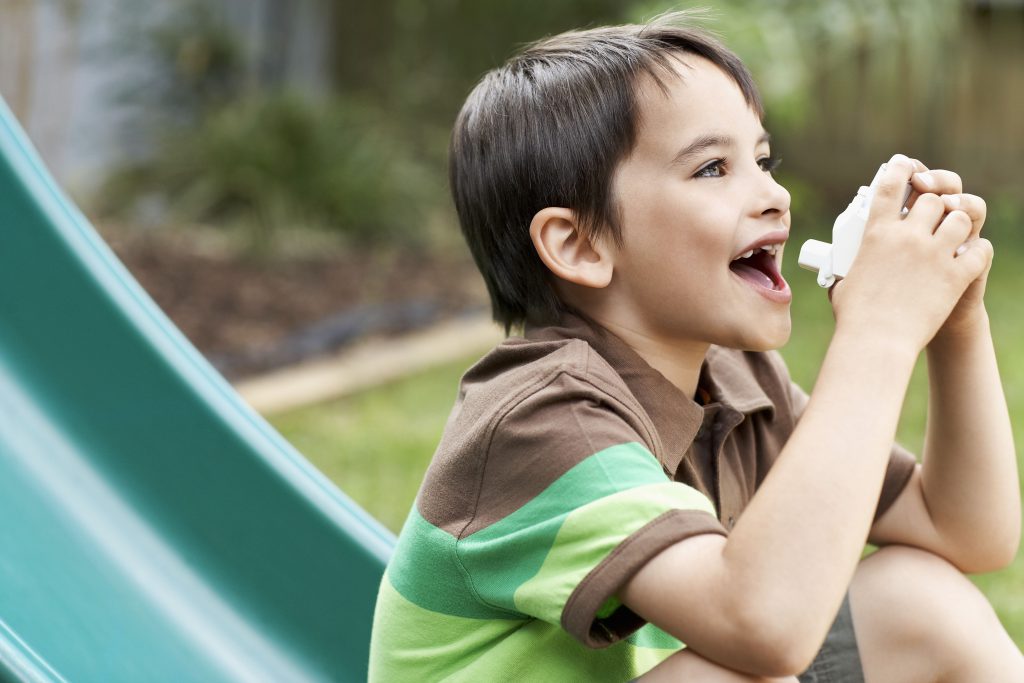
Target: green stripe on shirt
x,y
529,562
589,533
529,534
425,570
651,637
414,644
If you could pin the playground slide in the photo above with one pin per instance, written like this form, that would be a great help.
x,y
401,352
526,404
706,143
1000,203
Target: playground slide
x,y
152,526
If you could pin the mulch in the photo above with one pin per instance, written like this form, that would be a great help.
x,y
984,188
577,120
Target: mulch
x,y
249,313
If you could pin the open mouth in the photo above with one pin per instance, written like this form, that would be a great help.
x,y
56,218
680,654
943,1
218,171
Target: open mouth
x,y
758,267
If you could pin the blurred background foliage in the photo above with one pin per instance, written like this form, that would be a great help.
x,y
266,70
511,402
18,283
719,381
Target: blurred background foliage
x,y
847,83
225,150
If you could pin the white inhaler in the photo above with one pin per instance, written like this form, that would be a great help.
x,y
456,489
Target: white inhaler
x,y
833,261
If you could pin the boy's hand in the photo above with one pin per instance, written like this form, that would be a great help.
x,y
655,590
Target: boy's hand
x,y
969,312
908,277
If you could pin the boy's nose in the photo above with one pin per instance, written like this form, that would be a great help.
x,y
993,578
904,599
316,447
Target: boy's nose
x,y
774,197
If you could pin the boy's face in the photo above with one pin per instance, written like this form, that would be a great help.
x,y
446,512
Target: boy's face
x,y
688,215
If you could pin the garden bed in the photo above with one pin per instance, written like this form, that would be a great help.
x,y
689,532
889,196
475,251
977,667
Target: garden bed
x,y
249,312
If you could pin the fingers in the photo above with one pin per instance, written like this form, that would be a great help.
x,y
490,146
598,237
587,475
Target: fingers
x,y
954,230
971,204
926,213
929,209
975,257
938,207
892,186
937,181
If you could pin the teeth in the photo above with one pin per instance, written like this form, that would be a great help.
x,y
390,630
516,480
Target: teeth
x,y
772,249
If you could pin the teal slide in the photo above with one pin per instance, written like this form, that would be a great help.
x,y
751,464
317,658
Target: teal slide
x,y
152,526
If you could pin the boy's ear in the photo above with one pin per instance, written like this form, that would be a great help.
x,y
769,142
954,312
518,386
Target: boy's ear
x,y
567,252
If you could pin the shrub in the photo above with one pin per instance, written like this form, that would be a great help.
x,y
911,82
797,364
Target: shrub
x,y
272,161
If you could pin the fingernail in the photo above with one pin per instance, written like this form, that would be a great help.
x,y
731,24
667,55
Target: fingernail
x,y
952,201
900,157
961,249
926,179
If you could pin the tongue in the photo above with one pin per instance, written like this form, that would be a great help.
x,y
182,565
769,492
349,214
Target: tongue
x,y
752,274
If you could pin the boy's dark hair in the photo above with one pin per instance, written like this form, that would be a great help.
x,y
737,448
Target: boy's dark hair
x,y
548,128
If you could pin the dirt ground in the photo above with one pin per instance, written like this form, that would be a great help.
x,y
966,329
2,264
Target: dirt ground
x,y
249,313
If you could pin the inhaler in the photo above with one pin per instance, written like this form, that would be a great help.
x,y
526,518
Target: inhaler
x,y
833,261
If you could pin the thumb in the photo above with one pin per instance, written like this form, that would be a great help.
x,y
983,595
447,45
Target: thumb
x,y
892,185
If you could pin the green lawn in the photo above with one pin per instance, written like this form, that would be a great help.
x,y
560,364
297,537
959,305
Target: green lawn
x,y
376,445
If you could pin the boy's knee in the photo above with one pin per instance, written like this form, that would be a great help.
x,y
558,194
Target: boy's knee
x,y
918,598
906,575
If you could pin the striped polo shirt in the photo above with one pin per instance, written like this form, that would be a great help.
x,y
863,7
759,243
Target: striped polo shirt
x,y
567,463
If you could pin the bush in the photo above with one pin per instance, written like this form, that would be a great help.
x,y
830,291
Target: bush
x,y
273,161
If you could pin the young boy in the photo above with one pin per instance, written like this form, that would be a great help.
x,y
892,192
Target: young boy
x,y
638,471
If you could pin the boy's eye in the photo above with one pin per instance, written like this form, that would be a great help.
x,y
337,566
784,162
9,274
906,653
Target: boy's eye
x,y
769,164
716,168
712,170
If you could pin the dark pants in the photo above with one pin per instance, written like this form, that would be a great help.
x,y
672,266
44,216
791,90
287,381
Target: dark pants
x,y
838,661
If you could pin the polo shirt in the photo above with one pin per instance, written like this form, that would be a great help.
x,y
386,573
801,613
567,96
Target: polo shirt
x,y
566,464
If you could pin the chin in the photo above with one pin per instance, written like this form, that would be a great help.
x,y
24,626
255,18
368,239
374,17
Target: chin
x,y
769,339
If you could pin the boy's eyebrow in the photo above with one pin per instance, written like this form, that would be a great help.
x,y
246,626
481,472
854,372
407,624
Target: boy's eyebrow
x,y
707,141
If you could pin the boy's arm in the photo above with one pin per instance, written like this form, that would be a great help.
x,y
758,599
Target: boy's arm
x,y
762,600
964,502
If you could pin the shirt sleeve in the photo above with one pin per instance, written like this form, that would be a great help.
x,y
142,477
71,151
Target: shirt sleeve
x,y
594,505
901,461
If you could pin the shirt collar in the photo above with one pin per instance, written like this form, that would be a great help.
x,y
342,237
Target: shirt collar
x,y
676,417
732,380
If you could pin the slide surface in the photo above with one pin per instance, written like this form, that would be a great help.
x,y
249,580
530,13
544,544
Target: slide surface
x,y
152,526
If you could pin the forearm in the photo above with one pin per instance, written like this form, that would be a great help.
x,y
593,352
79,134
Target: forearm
x,y
969,475
800,539
761,600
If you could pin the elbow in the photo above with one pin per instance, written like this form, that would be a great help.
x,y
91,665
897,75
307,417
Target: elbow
x,y
995,556
988,552
1010,547
777,646
998,558
784,655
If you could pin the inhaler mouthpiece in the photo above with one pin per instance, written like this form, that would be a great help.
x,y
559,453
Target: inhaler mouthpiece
x,y
817,256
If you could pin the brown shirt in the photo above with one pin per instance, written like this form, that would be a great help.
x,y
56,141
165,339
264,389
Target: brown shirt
x,y
726,447
568,463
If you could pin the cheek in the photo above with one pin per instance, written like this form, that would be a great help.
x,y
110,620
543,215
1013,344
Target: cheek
x,y
660,250
670,232
691,249
656,220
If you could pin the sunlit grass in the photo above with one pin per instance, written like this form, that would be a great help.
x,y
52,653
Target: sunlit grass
x,y
377,445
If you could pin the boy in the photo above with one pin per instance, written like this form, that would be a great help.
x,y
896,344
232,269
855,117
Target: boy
x,y
631,476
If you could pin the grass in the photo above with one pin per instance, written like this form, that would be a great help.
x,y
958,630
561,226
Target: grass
x,y
376,445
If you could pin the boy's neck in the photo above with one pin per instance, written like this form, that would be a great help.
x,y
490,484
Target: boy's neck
x,y
679,361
